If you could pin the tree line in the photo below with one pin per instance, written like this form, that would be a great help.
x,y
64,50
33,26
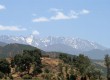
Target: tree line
x,y
107,64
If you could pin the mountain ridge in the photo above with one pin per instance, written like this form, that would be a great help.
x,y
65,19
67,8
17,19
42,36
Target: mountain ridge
x,y
34,40
16,48
72,46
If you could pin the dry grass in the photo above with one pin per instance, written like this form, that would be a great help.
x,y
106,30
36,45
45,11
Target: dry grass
x,y
50,61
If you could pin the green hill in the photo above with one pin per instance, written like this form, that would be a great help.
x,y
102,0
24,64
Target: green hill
x,y
3,44
13,49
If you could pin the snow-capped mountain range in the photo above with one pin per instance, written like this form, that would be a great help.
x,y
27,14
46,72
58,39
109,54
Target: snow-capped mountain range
x,y
62,44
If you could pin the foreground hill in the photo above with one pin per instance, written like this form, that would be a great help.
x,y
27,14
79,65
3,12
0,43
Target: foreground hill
x,y
51,68
32,64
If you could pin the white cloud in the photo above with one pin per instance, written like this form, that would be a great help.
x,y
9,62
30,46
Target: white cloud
x,y
11,28
35,32
73,14
2,7
41,19
59,15
85,11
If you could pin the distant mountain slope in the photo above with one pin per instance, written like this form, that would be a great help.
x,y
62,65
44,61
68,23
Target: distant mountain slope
x,y
58,44
13,49
61,48
2,44
97,53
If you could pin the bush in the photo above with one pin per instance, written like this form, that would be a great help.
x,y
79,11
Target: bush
x,y
1,75
37,70
10,76
27,76
46,70
72,77
35,78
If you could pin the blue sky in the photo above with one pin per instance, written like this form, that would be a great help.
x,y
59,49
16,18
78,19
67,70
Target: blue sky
x,y
86,19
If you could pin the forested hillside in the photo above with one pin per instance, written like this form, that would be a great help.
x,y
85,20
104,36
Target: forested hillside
x,y
32,64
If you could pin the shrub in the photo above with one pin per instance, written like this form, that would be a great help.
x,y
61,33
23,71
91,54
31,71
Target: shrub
x,y
1,75
37,70
10,76
35,78
27,76
46,70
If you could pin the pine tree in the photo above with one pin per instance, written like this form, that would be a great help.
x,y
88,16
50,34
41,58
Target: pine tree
x,y
107,63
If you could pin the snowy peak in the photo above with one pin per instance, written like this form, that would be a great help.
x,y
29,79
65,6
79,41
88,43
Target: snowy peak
x,y
76,43
44,43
